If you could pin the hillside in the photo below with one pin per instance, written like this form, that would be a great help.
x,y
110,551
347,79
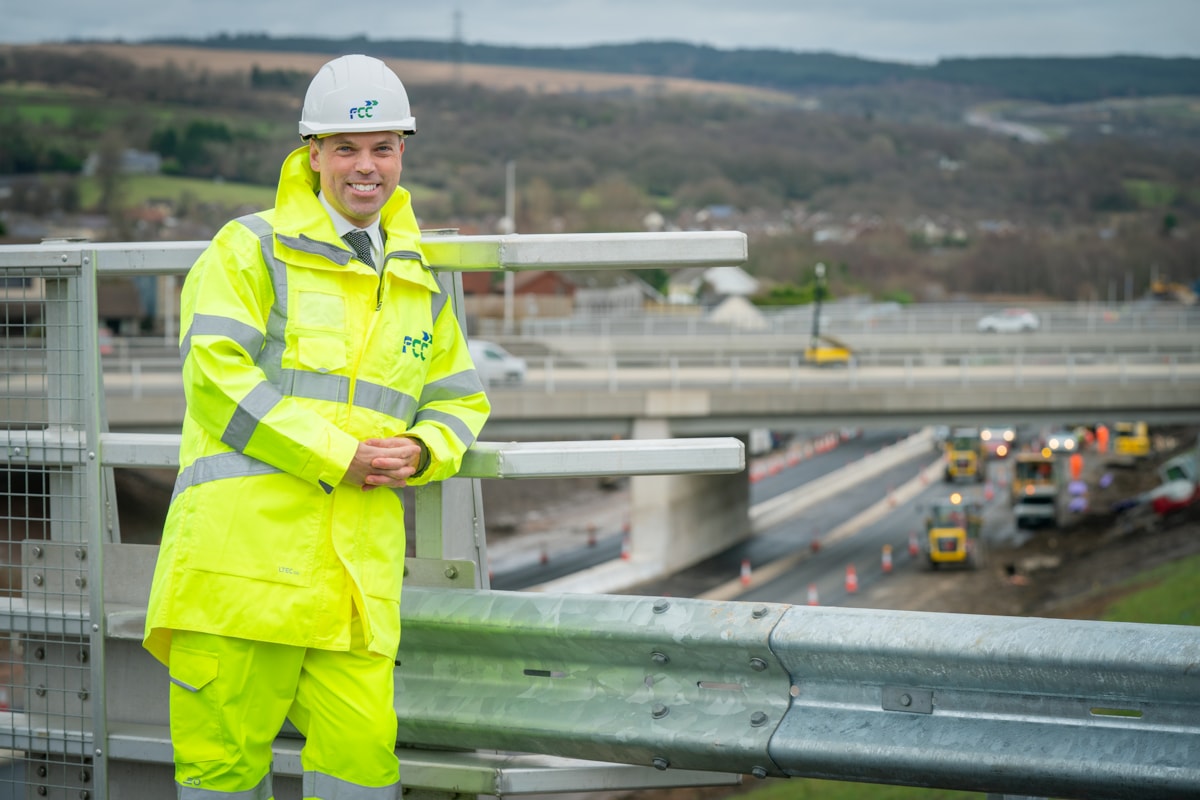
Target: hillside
x,y
908,189
1055,80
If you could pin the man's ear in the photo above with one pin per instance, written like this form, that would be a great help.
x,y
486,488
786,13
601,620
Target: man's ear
x,y
314,149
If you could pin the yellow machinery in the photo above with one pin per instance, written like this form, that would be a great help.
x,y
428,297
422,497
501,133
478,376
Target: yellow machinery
x,y
964,456
826,351
953,533
1037,488
1130,442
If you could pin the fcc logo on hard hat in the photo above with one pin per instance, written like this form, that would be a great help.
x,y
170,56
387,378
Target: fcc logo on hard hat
x,y
364,111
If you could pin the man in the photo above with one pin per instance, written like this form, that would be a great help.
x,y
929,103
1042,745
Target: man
x,y
321,377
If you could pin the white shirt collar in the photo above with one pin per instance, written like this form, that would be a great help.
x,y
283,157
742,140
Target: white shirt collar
x,y
344,226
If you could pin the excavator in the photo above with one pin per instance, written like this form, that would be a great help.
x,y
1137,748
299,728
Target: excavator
x,y
1172,291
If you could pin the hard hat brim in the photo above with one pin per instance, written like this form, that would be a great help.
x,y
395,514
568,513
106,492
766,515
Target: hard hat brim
x,y
405,127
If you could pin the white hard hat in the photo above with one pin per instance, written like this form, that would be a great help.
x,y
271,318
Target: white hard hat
x,y
356,94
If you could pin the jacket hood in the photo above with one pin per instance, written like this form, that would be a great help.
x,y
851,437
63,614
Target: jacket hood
x,y
299,212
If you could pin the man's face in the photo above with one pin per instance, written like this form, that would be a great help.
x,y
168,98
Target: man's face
x,y
359,171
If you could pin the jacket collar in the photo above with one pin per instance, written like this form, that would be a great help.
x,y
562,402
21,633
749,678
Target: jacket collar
x,y
297,209
299,215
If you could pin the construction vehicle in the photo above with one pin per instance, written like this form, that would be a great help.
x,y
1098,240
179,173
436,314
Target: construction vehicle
x,y
965,456
1179,485
1177,493
1173,291
999,441
953,533
824,350
1039,478
1130,443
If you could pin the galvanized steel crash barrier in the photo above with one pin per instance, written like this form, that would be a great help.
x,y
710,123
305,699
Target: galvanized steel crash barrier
x,y
509,693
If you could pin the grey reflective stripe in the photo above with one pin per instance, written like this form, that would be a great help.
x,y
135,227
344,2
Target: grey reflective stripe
x,y
263,791
183,685
253,407
270,361
327,787
450,421
385,400
216,467
437,301
315,385
407,254
452,387
250,339
304,244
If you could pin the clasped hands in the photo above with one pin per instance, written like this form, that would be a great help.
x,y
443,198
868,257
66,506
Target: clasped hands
x,y
386,462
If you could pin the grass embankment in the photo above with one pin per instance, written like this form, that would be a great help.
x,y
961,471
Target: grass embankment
x,y
1169,595
139,189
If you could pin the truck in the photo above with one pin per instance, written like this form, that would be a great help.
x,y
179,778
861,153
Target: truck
x,y
1038,481
965,456
953,533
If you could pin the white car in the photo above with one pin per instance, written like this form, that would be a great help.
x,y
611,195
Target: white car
x,y
495,364
1010,320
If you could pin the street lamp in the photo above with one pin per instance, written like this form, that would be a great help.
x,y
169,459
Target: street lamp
x,y
818,295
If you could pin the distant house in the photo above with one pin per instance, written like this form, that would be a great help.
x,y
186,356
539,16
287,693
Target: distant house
x,y
738,312
536,293
709,285
133,162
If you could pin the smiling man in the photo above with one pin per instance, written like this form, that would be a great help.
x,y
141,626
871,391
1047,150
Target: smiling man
x,y
321,360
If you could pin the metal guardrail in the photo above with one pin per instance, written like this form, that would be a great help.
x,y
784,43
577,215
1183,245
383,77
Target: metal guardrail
x,y
1061,708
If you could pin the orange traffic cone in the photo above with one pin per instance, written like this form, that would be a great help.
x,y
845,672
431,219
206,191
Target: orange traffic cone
x,y
745,572
851,579
812,594
626,548
545,555
913,546
887,558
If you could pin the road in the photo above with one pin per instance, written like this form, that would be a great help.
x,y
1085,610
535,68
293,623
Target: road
x,y
549,558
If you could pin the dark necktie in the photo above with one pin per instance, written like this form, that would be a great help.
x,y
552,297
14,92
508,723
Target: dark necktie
x,y
361,244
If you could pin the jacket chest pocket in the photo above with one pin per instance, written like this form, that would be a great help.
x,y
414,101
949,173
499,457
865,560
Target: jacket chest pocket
x,y
320,331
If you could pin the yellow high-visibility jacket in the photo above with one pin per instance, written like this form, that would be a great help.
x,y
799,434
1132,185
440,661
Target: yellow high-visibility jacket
x,y
294,352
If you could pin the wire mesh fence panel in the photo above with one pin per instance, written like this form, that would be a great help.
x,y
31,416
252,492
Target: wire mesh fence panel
x,y
48,404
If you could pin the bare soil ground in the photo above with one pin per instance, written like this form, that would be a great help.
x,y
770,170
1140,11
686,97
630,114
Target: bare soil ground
x,y
1073,572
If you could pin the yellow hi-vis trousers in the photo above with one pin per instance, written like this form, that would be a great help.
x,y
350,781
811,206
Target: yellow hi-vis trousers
x,y
230,697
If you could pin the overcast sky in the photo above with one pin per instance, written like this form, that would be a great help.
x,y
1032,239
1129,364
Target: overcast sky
x,y
891,30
